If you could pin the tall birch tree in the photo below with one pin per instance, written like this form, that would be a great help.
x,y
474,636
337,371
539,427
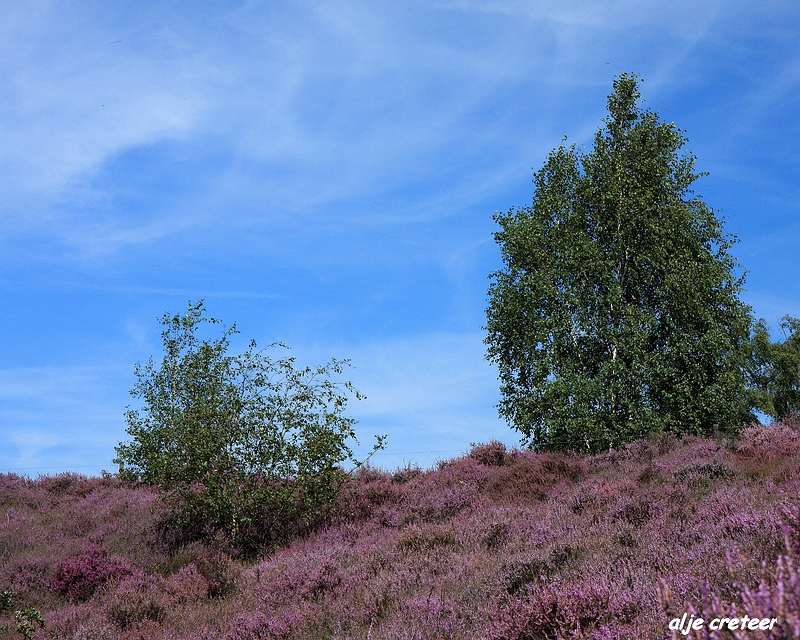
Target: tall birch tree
x,y
617,311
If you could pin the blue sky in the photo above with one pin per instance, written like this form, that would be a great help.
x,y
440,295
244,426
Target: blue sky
x,y
325,174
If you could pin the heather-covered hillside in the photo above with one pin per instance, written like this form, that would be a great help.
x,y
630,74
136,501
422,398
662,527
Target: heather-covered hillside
x,y
502,545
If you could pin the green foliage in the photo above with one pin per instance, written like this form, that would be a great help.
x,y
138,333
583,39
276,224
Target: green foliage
x,y
6,600
774,369
617,312
27,621
243,445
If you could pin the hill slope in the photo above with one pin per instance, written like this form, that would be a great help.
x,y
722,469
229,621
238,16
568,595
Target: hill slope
x,y
503,545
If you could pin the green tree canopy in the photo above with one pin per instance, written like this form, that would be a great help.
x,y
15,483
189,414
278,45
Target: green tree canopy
x,y
242,445
617,312
774,369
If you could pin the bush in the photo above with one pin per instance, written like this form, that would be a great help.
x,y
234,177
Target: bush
x,y
777,596
6,599
78,577
219,572
257,626
188,585
566,611
241,445
27,621
135,599
491,454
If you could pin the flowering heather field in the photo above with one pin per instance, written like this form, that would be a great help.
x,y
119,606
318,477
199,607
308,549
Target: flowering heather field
x,y
496,545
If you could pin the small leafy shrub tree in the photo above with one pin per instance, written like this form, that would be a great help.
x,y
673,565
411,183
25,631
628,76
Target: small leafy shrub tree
x,y
243,446
774,369
617,313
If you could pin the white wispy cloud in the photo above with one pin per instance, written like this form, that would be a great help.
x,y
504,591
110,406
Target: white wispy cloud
x,y
73,99
312,102
432,392
61,417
